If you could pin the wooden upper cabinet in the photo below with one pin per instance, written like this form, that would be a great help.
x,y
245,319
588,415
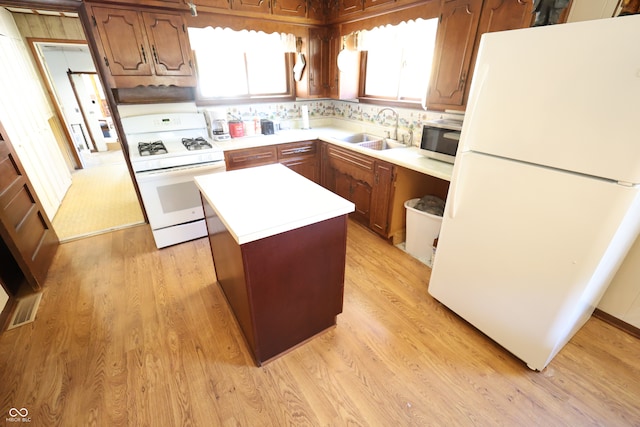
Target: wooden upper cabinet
x,y
260,6
213,4
124,46
502,15
318,62
453,52
143,48
169,44
463,23
346,7
289,8
317,10
372,3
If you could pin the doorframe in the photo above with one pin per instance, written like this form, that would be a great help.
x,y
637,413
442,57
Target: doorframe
x,y
70,75
37,55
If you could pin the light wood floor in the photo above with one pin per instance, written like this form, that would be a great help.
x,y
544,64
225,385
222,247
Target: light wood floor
x,y
129,335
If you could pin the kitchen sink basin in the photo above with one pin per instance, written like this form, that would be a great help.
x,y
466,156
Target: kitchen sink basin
x,y
358,138
381,144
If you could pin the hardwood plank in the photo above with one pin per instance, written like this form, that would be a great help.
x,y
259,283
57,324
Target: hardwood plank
x,y
130,335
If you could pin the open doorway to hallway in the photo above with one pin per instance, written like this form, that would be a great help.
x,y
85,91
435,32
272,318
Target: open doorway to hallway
x,y
101,197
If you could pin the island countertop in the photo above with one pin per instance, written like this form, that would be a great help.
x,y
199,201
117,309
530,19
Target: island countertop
x,y
263,201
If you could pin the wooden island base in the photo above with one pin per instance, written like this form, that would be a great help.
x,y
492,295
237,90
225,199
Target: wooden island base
x,y
283,289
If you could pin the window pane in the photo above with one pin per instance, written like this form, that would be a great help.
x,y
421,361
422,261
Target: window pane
x,y
267,74
218,80
253,63
399,59
383,72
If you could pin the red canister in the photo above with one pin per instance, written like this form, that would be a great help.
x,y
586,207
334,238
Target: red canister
x,y
236,130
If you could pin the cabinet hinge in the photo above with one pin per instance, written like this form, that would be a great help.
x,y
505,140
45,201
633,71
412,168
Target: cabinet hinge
x,y
184,29
106,61
95,23
440,19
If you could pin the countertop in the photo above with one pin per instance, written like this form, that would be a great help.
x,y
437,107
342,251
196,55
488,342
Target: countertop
x,y
263,201
408,157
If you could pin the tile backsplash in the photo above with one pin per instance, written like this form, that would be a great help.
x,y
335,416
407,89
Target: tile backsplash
x,y
289,115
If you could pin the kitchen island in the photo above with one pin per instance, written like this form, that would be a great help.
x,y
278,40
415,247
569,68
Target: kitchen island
x,y
278,243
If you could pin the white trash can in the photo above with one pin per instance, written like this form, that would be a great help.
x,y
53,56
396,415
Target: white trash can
x,y
422,229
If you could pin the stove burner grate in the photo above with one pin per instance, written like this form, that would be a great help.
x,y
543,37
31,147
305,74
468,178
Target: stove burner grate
x,y
198,143
151,148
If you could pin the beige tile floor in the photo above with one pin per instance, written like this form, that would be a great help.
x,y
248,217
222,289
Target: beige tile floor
x,y
101,199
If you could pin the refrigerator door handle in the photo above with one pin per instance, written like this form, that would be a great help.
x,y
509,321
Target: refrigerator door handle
x,y
454,194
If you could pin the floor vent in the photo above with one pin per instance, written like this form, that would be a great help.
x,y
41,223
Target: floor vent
x,y
26,310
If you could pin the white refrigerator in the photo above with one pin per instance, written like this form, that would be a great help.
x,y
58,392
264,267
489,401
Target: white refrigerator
x,y
544,199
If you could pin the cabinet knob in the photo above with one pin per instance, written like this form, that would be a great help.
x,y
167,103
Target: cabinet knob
x,y
144,55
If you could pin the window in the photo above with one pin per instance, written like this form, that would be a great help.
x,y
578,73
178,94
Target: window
x,y
236,65
398,60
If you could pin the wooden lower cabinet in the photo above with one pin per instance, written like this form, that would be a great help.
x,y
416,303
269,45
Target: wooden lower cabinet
x,y
363,180
301,157
378,189
249,157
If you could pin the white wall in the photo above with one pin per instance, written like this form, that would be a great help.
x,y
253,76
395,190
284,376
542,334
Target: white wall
x,y
3,299
24,112
586,10
622,299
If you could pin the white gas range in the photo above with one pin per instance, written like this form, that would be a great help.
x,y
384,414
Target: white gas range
x,y
166,152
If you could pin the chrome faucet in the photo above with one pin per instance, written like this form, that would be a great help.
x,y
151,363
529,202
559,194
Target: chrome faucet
x,y
395,131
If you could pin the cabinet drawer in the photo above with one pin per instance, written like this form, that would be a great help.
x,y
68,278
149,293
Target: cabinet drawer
x,y
248,157
297,149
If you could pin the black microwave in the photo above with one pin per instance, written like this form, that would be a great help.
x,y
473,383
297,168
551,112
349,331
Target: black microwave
x,y
440,139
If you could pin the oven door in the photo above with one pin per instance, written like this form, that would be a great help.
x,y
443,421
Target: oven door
x,y
170,196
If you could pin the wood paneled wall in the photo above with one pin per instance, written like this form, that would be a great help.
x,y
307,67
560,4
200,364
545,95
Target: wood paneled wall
x,y
49,27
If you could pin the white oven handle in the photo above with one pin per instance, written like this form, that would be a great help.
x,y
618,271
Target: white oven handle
x,y
191,170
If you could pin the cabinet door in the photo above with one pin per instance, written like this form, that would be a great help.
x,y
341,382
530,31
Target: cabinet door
x,y
124,47
333,74
350,6
260,6
381,198
372,3
318,61
360,195
355,191
169,44
301,157
305,166
289,8
317,10
213,4
502,15
24,227
453,52
248,157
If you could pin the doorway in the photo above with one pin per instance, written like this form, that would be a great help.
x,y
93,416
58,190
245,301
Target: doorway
x,y
101,197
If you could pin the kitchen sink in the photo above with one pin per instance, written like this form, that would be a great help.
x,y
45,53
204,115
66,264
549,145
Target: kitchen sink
x,y
381,144
358,138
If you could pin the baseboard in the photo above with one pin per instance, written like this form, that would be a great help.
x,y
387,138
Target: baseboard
x,y
612,320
